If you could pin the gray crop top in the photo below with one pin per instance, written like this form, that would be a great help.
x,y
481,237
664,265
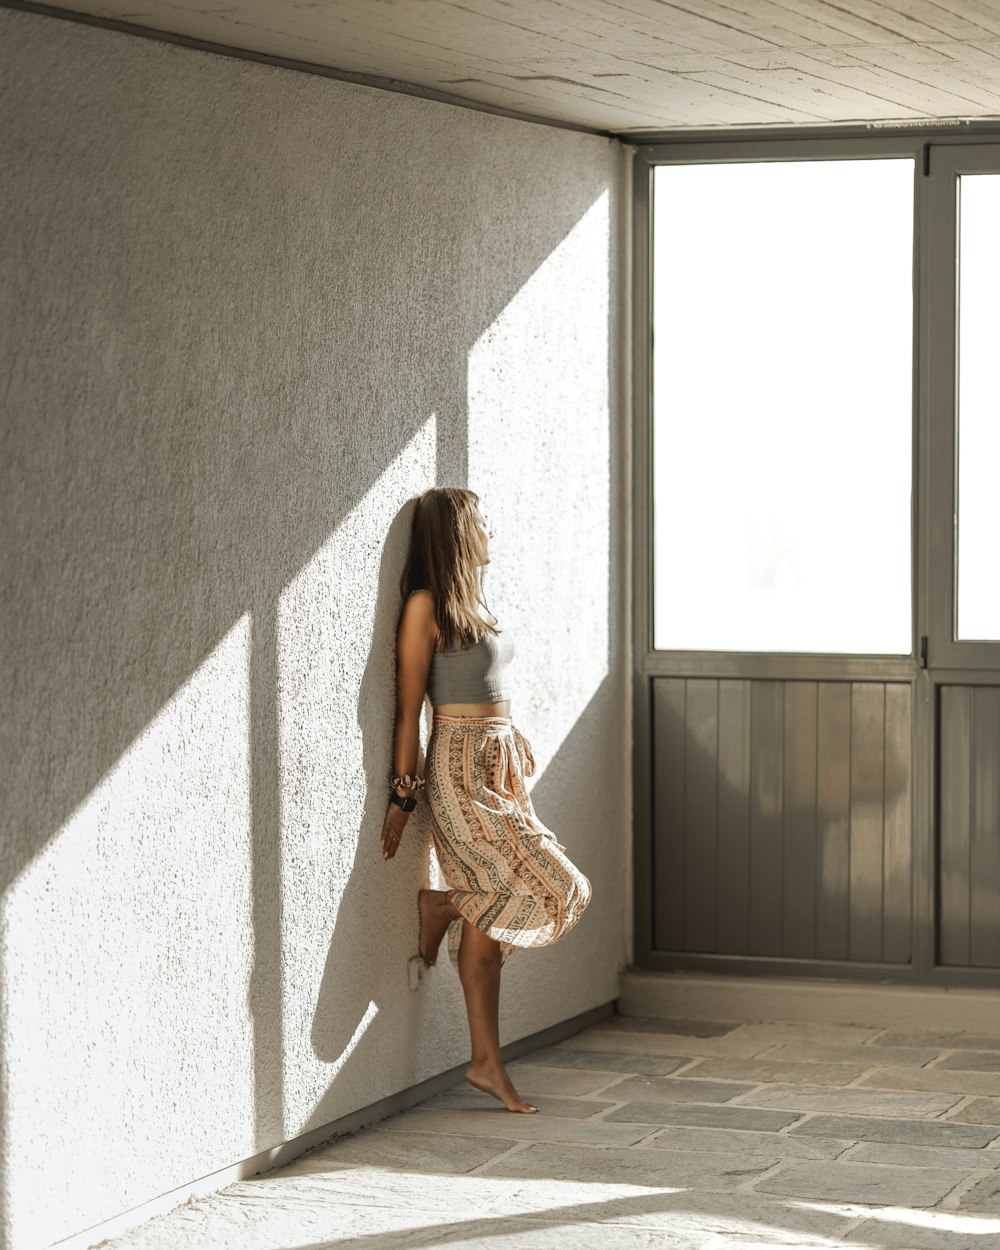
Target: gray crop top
x,y
478,675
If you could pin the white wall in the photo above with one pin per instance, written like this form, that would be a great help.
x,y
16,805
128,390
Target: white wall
x,y
248,313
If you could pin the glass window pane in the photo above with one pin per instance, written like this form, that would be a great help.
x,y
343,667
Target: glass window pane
x,y
782,320
978,408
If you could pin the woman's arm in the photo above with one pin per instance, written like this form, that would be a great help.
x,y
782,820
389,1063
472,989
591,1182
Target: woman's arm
x,y
414,650
415,641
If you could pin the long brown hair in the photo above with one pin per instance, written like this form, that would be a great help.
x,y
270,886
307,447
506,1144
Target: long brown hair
x,y
444,558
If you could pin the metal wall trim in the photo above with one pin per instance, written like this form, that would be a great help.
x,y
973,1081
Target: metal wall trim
x,y
729,151
777,667
642,721
922,130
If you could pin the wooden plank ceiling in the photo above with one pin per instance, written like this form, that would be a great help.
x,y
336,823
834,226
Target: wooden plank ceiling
x,y
626,66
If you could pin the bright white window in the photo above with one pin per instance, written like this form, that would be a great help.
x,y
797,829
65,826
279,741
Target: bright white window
x,y
782,408
978,408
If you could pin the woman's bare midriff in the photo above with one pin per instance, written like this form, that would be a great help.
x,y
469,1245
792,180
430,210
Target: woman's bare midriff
x,y
473,709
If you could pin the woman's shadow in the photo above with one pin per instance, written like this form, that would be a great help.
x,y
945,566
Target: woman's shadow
x,y
363,998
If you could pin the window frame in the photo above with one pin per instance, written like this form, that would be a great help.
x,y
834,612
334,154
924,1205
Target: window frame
x,y
936,657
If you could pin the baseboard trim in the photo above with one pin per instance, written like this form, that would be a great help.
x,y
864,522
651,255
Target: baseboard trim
x,y
278,1156
929,1008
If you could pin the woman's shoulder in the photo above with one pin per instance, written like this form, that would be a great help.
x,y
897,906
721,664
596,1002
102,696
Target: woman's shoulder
x,y
419,606
419,614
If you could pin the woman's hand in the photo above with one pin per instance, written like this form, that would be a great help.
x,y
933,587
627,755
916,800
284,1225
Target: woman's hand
x,y
392,830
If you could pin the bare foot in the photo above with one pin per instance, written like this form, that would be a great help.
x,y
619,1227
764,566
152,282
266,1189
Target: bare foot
x,y
436,913
495,1081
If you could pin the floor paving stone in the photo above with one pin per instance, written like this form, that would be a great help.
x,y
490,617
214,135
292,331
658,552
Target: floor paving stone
x,y
463,1231
636,1165
776,1153
858,1101
549,1104
983,1197
972,1060
674,1089
808,1032
423,1191
947,1080
910,1132
737,1043
867,1056
631,1063
434,1152
702,1116
685,1137
979,1111
777,1071
927,1230
683,1219
541,1127
946,1041
532,1078
746,1041
924,1156
740,1219
677,1028
862,1182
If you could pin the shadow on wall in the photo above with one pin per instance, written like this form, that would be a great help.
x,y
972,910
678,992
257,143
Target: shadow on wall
x,y
211,371
567,679
346,1005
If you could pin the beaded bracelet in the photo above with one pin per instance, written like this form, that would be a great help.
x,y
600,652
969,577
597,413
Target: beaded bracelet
x,y
406,781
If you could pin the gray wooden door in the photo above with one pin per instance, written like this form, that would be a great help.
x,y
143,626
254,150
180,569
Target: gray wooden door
x,y
803,809
961,683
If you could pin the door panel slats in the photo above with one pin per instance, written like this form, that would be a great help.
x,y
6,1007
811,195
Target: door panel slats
x,y
897,898
799,821
733,829
782,818
969,836
833,818
955,768
867,807
766,787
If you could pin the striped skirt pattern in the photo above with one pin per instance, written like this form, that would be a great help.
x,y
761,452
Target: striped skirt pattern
x,y
507,873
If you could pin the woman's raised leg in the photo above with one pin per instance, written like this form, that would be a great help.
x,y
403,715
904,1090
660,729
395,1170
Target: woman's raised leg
x,y
479,972
436,914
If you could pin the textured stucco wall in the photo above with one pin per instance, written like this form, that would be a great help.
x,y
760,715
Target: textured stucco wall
x,y
248,313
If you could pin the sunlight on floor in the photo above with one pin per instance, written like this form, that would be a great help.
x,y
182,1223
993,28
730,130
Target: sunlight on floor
x,y
653,1135
943,1221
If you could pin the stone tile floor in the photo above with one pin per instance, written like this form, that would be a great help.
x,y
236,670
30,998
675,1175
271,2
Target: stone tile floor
x,y
666,1134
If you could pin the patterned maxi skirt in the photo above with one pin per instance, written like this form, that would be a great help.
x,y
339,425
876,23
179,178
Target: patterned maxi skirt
x,y
507,873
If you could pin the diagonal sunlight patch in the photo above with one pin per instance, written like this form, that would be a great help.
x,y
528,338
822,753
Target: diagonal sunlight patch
x,y
112,1028
971,1225
362,1203
371,1011
334,732
539,456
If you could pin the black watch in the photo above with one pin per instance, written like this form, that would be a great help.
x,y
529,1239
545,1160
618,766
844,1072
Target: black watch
x,y
406,804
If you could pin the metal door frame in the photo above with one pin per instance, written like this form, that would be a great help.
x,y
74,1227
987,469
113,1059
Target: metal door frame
x,y
934,658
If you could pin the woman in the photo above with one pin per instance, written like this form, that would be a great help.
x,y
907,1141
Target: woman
x,y
510,882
